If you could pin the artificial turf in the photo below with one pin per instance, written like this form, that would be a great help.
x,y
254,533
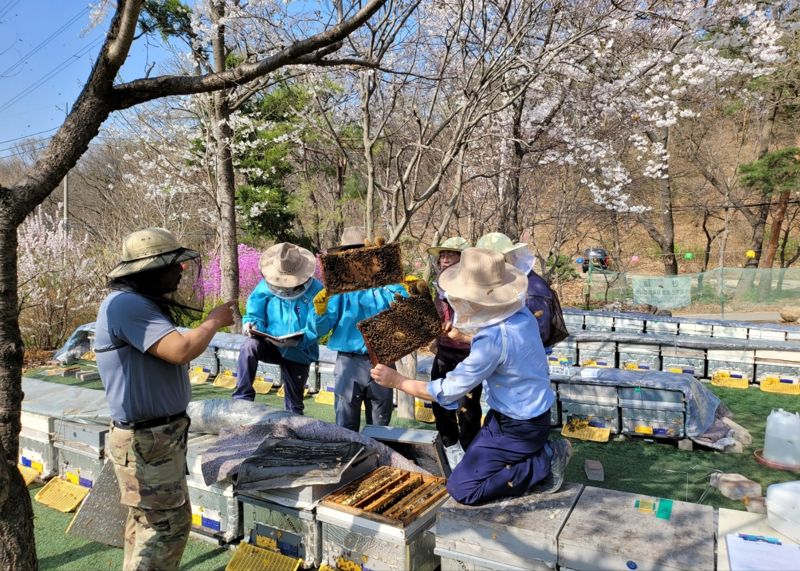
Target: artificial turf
x,y
631,464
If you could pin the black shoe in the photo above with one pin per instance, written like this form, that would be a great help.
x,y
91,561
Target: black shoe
x,y
562,452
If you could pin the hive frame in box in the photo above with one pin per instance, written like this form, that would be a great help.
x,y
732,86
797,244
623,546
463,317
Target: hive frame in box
x,y
362,268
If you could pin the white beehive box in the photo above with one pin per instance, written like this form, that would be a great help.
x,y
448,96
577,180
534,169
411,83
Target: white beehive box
x,y
694,328
607,532
629,324
639,357
730,331
767,334
594,322
518,533
656,325
585,393
683,360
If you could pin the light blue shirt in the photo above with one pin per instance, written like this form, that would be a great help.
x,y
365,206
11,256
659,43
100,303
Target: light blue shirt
x,y
277,316
509,359
345,310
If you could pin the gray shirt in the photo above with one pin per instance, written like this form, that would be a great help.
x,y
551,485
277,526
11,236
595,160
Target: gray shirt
x,y
139,386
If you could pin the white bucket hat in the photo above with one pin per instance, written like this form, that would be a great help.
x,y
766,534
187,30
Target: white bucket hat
x,y
454,244
498,242
352,237
149,249
483,289
287,265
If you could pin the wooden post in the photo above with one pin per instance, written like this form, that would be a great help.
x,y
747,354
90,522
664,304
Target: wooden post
x,y
407,366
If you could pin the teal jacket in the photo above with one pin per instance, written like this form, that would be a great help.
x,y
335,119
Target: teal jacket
x,y
347,309
277,316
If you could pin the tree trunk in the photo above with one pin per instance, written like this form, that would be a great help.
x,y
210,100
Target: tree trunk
x,y
17,547
226,182
369,159
765,283
510,193
407,366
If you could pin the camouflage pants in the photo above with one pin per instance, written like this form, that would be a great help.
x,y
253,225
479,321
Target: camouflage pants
x,y
150,465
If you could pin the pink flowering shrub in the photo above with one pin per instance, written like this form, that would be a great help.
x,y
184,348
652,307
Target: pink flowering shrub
x,y
249,273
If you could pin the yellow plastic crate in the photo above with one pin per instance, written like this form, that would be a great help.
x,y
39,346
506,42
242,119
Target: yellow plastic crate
x,y
580,429
197,376
28,474
251,558
725,379
88,356
261,386
225,380
773,384
325,397
61,495
423,411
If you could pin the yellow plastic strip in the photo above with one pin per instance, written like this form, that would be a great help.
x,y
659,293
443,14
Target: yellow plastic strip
x,y
61,495
251,558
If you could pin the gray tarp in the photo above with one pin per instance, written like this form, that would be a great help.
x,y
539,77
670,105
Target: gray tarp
x,y
65,401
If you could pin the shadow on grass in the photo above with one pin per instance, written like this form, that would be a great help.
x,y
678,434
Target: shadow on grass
x,y
202,558
66,559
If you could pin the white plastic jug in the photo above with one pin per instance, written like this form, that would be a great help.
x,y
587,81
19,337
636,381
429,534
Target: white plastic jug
x,y
783,508
782,440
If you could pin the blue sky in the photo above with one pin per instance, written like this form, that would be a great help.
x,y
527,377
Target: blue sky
x,y
46,54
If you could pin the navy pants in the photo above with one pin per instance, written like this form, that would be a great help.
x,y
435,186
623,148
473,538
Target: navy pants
x,y
463,424
505,459
293,375
354,386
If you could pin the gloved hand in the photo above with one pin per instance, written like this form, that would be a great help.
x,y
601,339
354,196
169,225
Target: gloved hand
x,y
247,329
321,302
414,285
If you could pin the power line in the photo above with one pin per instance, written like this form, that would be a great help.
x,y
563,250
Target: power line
x,y
44,42
8,8
28,136
60,67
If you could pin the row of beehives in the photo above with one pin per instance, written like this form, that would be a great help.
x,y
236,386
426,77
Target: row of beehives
x,y
577,320
774,370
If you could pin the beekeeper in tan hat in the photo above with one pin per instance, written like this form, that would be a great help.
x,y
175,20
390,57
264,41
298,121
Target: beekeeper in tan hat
x,y
142,360
511,454
457,428
276,323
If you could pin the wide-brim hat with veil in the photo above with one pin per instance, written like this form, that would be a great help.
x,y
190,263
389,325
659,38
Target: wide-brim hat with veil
x,y
483,289
286,265
150,249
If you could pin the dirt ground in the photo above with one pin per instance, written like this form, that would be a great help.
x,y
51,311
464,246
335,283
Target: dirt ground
x,y
35,358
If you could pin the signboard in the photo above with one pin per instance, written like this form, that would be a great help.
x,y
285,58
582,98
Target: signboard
x,y
662,292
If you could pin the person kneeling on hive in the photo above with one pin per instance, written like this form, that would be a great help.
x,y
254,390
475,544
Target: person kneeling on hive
x,y
511,455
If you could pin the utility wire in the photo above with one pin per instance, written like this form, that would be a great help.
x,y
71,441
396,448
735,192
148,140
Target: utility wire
x,y
44,42
28,136
8,8
60,67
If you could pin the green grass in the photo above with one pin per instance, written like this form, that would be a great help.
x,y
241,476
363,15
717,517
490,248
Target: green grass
x,y
632,465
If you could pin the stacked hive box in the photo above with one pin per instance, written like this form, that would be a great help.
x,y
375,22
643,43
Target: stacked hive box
x,y
598,322
731,367
595,403
284,520
81,450
683,360
379,521
611,530
637,357
729,331
597,353
215,511
652,412
514,534
629,324
36,446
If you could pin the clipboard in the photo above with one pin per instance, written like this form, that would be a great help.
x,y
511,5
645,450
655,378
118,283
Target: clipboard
x,y
288,340
748,555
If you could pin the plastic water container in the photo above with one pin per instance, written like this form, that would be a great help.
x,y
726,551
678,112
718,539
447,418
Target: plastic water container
x,y
782,440
783,508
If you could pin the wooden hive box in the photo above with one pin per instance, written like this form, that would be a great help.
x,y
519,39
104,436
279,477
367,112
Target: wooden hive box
x,y
362,268
407,325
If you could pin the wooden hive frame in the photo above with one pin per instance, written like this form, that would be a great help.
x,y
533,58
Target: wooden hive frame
x,y
410,323
389,495
362,268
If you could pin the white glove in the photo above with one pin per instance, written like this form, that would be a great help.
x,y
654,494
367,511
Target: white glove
x,y
247,329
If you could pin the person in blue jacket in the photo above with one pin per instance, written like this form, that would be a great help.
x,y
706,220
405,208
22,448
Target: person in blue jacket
x,y
339,314
281,304
511,455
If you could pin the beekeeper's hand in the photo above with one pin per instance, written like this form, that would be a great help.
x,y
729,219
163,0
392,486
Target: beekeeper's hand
x,y
321,302
414,285
247,329
455,334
